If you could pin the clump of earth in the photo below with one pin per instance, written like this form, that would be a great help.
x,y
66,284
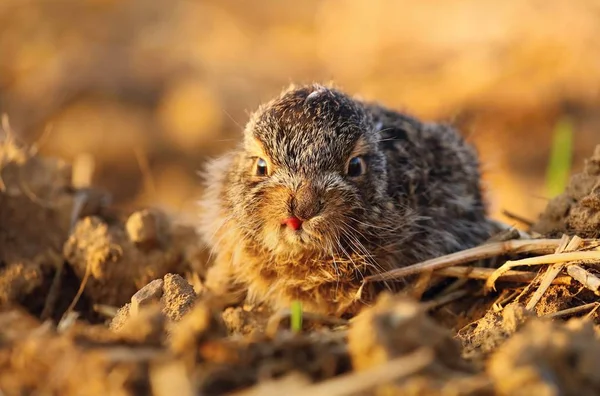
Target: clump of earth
x,y
94,301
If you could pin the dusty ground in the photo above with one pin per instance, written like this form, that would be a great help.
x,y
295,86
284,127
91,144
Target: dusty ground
x,y
100,294
171,84
97,302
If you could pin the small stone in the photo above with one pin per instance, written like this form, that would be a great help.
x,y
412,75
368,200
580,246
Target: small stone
x,y
178,297
202,323
120,318
396,326
148,326
150,293
143,227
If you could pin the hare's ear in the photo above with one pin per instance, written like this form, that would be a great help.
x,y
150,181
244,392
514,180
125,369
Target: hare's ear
x,y
291,87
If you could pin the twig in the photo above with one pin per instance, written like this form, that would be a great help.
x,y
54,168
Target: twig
x,y
590,281
4,127
79,201
5,124
88,271
547,259
571,311
82,173
23,186
591,255
54,291
507,232
41,140
30,152
485,273
420,286
539,246
553,271
355,382
593,311
504,299
29,193
105,310
144,164
445,299
68,320
525,291
456,285
516,217
505,235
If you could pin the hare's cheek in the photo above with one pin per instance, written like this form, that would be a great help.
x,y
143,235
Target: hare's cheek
x,y
270,236
318,228
276,204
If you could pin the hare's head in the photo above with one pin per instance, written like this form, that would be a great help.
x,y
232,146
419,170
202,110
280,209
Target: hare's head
x,y
309,170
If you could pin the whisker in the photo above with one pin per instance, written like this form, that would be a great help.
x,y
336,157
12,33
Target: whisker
x,y
349,256
360,249
337,273
368,257
215,243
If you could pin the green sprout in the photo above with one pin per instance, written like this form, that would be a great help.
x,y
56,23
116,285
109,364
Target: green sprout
x,y
296,318
559,167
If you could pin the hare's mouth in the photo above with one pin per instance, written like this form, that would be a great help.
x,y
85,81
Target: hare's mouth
x,y
296,237
300,239
291,236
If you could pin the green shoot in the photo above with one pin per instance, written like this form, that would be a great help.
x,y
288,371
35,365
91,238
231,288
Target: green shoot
x,y
296,318
559,166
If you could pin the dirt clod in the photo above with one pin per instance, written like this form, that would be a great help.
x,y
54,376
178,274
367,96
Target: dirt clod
x,y
15,324
548,358
577,210
73,364
178,296
37,208
18,280
147,326
243,321
200,324
148,294
147,228
117,267
486,334
396,326
171,337
172,294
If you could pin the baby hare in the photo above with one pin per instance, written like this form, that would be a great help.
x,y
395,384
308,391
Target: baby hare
x,y
326,189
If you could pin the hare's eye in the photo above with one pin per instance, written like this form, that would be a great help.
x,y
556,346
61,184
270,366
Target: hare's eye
x,y
356,167
261,167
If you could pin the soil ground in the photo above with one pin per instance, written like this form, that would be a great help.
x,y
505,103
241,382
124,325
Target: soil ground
x,y
94,302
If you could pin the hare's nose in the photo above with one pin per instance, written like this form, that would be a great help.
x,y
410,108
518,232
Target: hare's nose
x,y
293,222
305,203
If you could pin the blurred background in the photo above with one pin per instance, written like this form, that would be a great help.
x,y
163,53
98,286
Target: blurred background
x,y
152,89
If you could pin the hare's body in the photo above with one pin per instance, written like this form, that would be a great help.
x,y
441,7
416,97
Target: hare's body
x,y
326,190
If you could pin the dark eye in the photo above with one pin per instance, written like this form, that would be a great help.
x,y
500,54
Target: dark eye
x,y
261,167
356,167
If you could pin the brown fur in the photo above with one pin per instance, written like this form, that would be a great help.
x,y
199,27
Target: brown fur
x,y
420,197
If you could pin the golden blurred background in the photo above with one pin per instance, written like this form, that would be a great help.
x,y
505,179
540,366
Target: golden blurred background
x,y
153,88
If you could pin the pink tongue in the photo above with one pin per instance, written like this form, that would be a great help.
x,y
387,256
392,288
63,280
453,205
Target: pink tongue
x,y
293,222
